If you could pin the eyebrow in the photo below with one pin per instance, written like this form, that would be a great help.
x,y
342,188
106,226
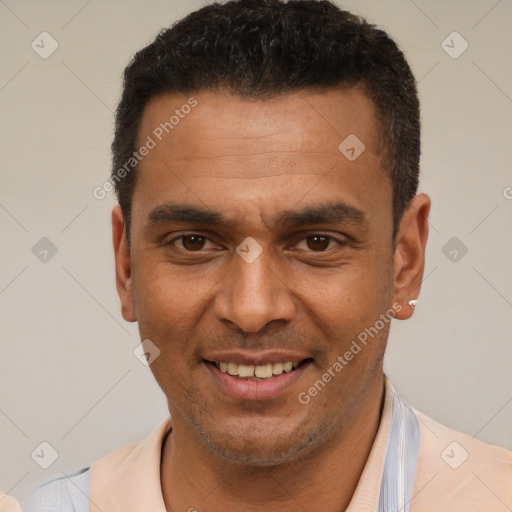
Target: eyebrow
x,y
330,213
169,212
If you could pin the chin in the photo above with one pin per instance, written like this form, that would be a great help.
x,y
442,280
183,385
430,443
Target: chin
x,y
262,447
261,456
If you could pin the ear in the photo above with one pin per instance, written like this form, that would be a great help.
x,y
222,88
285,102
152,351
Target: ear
x,y
409,257
123,265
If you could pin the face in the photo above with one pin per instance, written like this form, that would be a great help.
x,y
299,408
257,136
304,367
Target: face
x,y
259,253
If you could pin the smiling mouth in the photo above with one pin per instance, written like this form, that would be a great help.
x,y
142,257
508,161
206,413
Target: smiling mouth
x,y
257,373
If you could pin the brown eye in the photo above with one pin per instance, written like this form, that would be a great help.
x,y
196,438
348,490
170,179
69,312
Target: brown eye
x,y
318,242
193,242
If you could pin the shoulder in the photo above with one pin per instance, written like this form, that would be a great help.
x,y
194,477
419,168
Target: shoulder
x,y
456,470
67,493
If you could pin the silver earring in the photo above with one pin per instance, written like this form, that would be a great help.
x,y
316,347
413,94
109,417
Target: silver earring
x,y
412,303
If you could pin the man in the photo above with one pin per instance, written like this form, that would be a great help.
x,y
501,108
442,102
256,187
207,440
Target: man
x,y
266,162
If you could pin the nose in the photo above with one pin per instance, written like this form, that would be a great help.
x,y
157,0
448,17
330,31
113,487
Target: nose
x,y
252,296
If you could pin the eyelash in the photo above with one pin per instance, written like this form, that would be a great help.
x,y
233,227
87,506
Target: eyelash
x,y
338,241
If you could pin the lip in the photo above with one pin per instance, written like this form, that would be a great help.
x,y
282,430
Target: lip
x,y
253,390
256,358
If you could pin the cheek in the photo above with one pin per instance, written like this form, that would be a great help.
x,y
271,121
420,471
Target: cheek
x,y
349,295
163,297
168,306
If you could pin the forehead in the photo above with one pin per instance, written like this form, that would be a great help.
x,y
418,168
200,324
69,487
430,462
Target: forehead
x,y
230,150
307,121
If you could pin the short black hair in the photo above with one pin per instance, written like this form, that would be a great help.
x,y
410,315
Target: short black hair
x,y
264,48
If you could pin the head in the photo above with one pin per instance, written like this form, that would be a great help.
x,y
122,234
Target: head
x,y
271,217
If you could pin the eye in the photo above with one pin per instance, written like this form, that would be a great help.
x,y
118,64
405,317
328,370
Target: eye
x,y
320,242
191,243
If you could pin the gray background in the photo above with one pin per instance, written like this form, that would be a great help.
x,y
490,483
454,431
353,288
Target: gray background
x,y
67,369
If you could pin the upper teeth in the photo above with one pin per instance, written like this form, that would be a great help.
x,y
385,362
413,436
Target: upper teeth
x,y
263,371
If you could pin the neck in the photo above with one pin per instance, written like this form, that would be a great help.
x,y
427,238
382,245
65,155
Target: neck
x,y
194,478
